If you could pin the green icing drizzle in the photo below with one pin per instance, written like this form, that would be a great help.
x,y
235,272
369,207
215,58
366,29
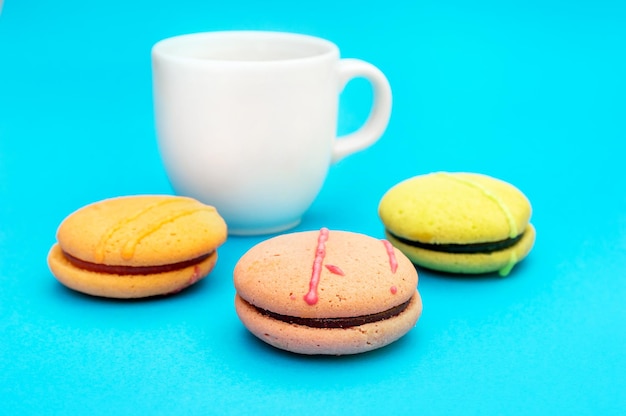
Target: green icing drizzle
x,y
505,210
509,266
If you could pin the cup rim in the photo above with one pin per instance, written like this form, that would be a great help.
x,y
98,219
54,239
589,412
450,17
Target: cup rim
x,y
170,48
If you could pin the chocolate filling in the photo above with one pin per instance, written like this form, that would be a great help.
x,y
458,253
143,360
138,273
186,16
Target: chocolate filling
x,y
337,322
134,270
473,248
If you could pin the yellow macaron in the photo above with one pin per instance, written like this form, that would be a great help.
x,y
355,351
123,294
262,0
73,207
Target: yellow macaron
x,y
137,246
459,222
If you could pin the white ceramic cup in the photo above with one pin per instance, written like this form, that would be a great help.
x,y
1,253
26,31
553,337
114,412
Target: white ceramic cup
x,y
246,121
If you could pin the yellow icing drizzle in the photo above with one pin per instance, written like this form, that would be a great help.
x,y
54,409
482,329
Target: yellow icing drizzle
x,y
108,234
505,210
100,248
128,250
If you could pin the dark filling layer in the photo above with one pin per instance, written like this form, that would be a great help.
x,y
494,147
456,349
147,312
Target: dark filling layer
x,y
125,270
337,322
473,248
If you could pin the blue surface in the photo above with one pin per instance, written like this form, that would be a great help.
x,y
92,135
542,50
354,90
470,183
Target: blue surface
x,y
532,92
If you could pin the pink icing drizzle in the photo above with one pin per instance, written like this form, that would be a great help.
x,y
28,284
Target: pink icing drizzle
x,y
311,297
195,276
335,269
392,256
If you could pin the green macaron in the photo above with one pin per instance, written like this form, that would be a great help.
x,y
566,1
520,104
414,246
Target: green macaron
x,y
464,223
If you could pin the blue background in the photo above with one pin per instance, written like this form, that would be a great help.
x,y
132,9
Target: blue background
x,y
532,92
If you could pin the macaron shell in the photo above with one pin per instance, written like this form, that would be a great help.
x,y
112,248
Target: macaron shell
x,y
339,341
147,230
501,260
276,274
125,286
458,208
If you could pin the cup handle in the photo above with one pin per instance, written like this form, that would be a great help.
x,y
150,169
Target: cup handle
x,y
378,119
